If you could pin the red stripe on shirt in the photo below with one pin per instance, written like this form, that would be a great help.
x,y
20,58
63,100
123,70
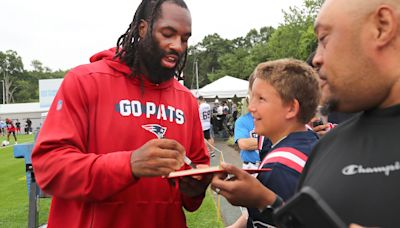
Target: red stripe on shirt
x,y
287,161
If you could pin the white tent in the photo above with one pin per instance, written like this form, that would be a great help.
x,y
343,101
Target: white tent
x,y
225,87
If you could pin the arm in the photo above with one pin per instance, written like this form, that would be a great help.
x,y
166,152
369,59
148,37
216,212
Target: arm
x,y
60,156
241,222
247,143
242,136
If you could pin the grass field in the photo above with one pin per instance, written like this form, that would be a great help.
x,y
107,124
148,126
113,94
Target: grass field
x,y
14,195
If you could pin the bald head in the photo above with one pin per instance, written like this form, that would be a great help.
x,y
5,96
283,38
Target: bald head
x,y
358,9
358,43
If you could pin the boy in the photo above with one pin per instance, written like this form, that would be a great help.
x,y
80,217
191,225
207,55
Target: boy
x,y
285,95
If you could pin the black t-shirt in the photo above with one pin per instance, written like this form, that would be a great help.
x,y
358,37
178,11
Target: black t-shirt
x,y
356,168
339,117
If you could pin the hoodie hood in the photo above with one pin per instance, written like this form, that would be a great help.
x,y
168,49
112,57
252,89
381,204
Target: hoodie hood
x,y
108,57
115,63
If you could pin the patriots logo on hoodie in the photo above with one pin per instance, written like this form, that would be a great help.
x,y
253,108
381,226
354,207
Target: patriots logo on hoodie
x,y
156,129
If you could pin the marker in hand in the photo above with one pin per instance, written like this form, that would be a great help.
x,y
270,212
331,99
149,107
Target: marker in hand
x,y
185,158
188,162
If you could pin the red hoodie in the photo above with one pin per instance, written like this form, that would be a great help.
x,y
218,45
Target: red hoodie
x,y
82,154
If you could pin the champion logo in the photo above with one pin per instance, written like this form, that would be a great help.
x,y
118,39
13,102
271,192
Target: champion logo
x,y
354,169
156,129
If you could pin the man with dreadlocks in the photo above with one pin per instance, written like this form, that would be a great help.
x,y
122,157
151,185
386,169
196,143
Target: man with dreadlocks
x,y
130,93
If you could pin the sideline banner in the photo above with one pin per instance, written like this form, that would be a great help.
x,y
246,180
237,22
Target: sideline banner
x,y
47,91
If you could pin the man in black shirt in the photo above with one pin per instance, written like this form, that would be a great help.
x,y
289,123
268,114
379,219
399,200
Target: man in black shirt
x,y
356,168
18,126
28,128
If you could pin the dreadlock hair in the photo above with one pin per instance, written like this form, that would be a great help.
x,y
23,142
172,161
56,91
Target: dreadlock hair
x,y
127,44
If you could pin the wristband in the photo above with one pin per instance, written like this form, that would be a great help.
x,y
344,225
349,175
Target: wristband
x,y
269,209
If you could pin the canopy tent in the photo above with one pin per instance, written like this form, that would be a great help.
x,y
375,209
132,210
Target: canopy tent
x,y
225,87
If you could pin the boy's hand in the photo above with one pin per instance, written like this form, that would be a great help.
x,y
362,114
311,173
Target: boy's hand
x,y
242,190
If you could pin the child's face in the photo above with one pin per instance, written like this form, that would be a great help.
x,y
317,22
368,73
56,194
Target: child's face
x,y
268,110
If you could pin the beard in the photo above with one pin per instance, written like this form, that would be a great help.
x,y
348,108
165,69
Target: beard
x,y
151,54
331,105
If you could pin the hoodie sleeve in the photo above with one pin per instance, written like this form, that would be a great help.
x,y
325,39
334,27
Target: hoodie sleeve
x,y
62,163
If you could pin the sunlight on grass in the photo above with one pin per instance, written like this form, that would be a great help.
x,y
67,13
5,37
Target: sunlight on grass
x,y
205,216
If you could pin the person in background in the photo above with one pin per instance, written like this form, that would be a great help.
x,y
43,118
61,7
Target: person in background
x,y
119,125
11,130
18,126
3,126
234,111
28,126
285,95
246,139
220,117
225,108
205,117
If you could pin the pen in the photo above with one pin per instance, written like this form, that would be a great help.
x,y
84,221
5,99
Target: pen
x,y
185,158
188,162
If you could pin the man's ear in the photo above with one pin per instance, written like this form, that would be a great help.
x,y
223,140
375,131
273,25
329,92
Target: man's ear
x,y
293,108
386,23
143,25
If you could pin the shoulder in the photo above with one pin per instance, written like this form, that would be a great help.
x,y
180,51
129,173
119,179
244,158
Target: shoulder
x,y
246,117
94,69
340,130
181,88
287,156
184,92
240,120
293,151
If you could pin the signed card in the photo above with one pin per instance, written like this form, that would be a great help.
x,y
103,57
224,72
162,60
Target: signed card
x,y
208,170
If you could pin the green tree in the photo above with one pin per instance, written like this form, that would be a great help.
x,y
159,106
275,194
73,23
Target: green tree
x,y
206,54
217,57
243,59
11,67
28,83
295,37
21,85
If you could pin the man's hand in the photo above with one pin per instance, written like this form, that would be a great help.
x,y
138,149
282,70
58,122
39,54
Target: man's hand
x,y
243,189
158,157
195,185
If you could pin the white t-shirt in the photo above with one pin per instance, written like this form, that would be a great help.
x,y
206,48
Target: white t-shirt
x,y
220,110
205,115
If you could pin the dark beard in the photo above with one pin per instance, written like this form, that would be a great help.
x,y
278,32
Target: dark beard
x,y
151,54
330,106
